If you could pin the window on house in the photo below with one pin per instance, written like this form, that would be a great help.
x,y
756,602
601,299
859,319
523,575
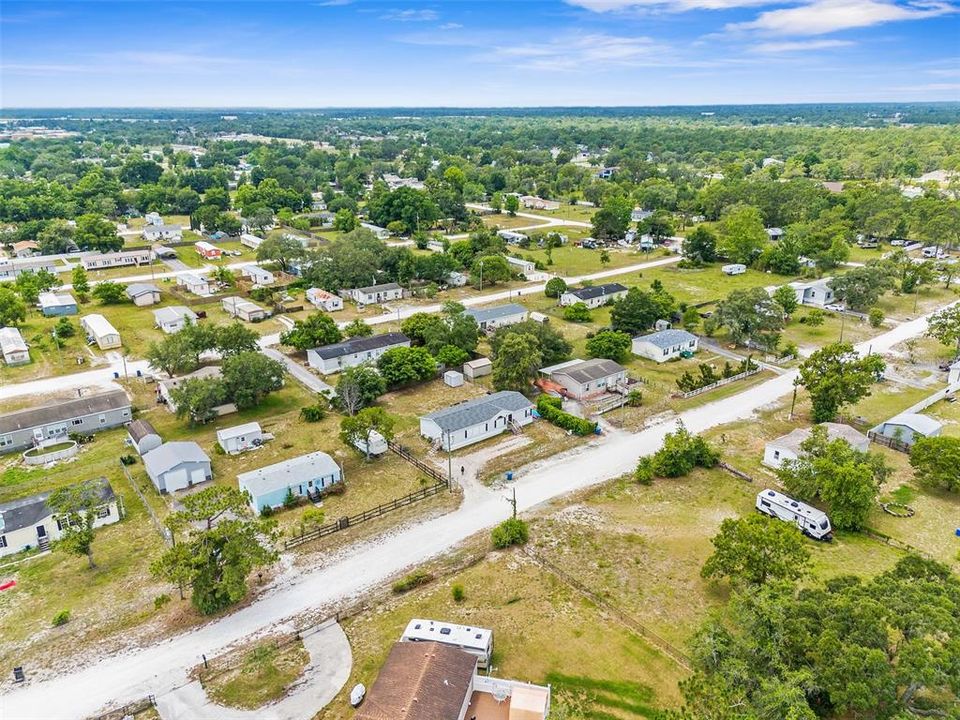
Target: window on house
x,y
6,440
665,351
78,421
103,419
104,512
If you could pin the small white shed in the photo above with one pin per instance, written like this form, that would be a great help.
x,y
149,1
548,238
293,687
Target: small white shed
x,y
477,368
378,444
453,378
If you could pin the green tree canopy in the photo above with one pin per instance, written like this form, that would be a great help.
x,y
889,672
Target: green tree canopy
x,y
836,376
756,549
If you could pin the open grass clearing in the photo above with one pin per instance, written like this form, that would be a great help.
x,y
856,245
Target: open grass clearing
x,y
257,675
505,221
571,261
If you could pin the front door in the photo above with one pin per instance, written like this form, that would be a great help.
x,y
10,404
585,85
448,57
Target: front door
x,y
41,532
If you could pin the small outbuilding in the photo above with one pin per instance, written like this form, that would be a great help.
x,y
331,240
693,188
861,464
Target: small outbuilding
x,y
238,438
177,465
474,369
143,437
787,447
453,378
907,428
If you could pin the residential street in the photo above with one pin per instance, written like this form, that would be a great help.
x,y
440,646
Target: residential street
x,y
160,668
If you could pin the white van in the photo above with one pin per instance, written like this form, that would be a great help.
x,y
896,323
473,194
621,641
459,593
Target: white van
x,y
930,251
811,521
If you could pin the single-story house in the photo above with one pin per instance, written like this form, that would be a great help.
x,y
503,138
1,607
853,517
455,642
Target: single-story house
x,y
787,447
259,275
238,438
665,345
53,304
324,300
177,465
123,258
162,232
374,444
23,429
533,202
208,251
593,296
428,680
250,241
817,292
511,237
143,294
30,522
475,420
12,347
775,233
521,266
166,387
196,284
639,214
491,318
333,358
25,249
243,309
100,331
174,318
473,369
375,293
153,218
381,233
584,379
303,476
907,427
143,436
10,268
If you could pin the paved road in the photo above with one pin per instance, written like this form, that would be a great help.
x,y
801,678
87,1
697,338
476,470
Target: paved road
x,y
159,668
99,378
299,372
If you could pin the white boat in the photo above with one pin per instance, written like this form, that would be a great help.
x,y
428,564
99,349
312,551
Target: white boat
x,y
357,694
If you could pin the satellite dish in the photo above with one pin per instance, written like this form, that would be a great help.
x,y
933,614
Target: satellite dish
x,y
500,693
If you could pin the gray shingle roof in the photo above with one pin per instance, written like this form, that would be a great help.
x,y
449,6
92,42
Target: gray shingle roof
x,y
482,315
595,291
170,454
28,511
668,338
60,411
137,289
173,313
379,288
472,412
362,344
289,472
591,370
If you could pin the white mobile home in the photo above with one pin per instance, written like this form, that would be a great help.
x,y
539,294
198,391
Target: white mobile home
x,y
12,347
381,233
475,420
734,269
324,300
259,276
154,233
193,283
174,318
251,241
521,266
100,331
512,238
375,293
594,296
303,476
807,518
665,345
243,309
333,358
143,294
817,293
497,316
787,447
123,258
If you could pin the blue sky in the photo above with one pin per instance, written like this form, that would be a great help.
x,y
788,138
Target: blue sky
x,y
467,53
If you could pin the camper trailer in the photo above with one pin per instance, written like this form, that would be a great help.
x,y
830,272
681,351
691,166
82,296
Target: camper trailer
x,y
474,640
811,521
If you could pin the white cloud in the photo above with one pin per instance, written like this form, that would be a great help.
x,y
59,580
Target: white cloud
x,y
410,15
793,46
333,3
584,52
621,6
826,16
451,26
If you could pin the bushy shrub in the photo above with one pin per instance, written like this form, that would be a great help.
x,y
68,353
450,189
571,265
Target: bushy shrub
x,y
681,452
513,531
61,618
411,581
161,600
876,317
313,413
458,593
549,409
128,459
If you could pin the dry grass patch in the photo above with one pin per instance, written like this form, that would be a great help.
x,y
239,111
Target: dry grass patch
x,y
258,675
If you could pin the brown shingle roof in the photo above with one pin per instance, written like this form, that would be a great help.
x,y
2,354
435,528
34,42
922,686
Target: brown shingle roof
x,y
420,681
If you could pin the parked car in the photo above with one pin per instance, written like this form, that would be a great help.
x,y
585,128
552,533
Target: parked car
x,y
898,242
835,307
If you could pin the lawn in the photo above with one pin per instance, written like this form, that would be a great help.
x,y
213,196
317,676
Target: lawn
x,y
571,261
506,222
578,213
256,675
188,256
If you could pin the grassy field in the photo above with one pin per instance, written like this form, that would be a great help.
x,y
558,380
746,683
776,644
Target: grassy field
x,y
506,222
188,256
566,212
571,261
257,675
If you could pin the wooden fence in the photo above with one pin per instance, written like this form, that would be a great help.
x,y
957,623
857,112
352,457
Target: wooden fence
x,y
129,710
422,466
161,528
889,442
720,383
367,515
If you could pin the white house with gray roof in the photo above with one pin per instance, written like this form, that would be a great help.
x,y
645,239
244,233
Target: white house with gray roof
x,y
372,294
491,318
816,293
593,296
174,318
177,465
665,345
143,294
12,347
334,358
787,447
474,420
303,476
31,523
584,379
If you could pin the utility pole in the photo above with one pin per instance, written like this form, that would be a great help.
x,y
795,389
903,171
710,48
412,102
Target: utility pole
x,y
449,464
513,502
843,319
481,276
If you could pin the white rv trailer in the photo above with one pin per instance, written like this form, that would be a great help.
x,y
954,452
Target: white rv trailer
x,y
473,640
811,521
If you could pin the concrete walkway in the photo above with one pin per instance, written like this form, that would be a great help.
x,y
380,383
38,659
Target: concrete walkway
x,y
328,671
